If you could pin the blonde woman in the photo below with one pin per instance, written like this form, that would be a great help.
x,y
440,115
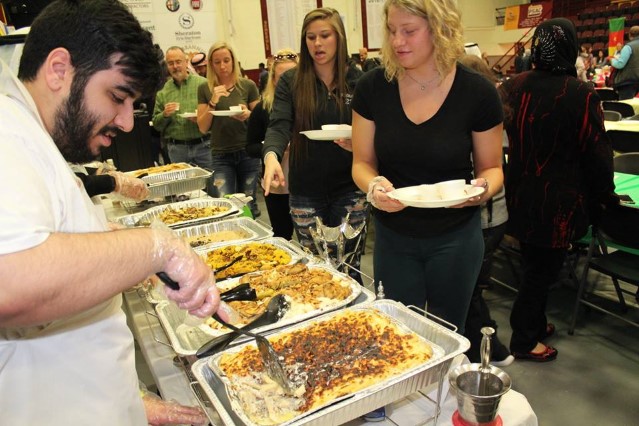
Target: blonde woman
x,y
318,91
234,170
423,119
277,199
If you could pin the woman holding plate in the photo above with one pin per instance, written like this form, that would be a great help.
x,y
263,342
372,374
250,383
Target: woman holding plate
x,y
423,119
315,93
234,170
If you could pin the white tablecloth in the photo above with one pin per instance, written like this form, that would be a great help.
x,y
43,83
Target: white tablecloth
x,y
626,125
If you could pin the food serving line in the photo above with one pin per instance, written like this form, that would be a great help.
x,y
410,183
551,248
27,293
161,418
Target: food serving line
x,y
168,346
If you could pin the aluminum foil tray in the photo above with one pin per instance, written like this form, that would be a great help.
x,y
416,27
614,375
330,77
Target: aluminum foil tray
x,y
254,229
295,252
176,181
142,219
360,403
187,340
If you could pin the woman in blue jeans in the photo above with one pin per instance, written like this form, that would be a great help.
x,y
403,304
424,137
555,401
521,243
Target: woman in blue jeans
x,y
233,169
317,92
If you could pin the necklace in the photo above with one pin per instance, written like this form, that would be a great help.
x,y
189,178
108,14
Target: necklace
x,y
422,86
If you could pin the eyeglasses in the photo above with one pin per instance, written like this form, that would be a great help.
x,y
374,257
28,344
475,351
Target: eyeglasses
x,y
291,56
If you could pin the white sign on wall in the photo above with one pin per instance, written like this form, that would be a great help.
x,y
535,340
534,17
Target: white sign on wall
x,y
189,24
285,20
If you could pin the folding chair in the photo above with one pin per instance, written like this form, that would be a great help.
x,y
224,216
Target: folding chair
x,y
612,116
619,228
607,95
624,141
624,109
627,163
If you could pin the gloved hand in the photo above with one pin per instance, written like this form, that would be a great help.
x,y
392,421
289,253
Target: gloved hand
x,y
129,186
174,256
161,412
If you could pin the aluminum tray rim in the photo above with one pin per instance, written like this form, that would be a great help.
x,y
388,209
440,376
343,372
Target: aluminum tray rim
x,y
201,369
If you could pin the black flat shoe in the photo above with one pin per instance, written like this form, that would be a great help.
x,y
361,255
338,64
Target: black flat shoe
x,y
549,354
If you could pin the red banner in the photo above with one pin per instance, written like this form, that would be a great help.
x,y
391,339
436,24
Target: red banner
x,y
527,15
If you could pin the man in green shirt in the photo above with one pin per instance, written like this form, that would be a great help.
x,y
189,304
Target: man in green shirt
x,y
174,113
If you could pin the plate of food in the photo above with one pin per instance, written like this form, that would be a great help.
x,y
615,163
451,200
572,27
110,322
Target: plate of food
x,y
189,115
225,113
437,195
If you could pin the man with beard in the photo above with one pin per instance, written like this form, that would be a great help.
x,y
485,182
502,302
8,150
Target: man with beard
x,y
185,143
66,353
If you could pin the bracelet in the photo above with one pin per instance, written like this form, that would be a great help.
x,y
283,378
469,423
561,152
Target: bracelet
x,y
212,105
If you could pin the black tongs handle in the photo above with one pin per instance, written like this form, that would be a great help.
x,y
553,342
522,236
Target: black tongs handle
x,y
241,292
168,281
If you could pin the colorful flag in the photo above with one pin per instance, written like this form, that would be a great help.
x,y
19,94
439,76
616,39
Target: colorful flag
x,y
615,34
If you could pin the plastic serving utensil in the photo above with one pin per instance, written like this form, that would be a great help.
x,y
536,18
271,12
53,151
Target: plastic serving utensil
x,y
270,359
241,292
231,263
275,310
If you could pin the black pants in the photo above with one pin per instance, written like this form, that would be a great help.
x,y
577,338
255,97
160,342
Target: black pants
x,y
279,212
478,312
541,267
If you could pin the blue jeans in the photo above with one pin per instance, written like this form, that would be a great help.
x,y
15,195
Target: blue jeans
x,y
439,271
199,154
237,172
331,210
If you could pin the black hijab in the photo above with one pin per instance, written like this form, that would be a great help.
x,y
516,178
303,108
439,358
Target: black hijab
x,y
554,47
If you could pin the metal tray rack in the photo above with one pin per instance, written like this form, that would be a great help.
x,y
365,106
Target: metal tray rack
x,y
187,340
136,219
367,400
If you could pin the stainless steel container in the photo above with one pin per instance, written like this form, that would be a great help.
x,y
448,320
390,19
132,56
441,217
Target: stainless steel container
x,y
478,391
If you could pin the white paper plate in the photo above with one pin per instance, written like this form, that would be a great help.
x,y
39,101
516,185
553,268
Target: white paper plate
x,y
417,196
189,115
328,135
225,113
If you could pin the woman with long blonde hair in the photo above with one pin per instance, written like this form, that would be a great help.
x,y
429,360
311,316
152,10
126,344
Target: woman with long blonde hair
x,y
234,170
423,119
277,199
317,92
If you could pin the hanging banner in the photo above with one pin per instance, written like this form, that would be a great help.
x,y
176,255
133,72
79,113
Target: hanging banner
x,y
615,34
527,15
189,24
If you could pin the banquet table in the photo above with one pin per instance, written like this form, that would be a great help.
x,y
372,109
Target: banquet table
x,y
624,125
628,184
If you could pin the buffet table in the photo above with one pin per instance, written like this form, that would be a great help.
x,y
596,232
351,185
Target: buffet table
x,y
175,381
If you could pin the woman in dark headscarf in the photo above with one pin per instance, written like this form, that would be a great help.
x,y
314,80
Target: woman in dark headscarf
x,y
560,169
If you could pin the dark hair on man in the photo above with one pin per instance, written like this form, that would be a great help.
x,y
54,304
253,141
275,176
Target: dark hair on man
x,y
93,31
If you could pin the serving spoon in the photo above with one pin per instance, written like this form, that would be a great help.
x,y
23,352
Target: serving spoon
x,y
275,310
272,365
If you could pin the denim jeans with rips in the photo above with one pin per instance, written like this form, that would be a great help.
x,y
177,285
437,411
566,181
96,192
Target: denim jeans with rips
x,y
237,172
